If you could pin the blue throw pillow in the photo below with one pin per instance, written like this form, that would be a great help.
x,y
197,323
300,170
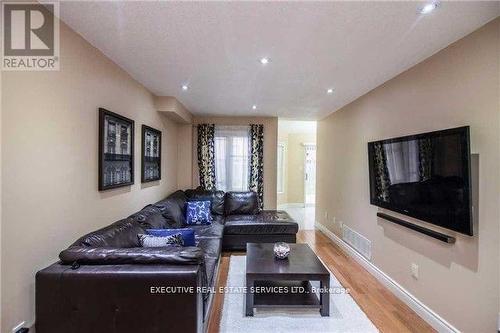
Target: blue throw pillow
x,y
198,212
186,233
155,241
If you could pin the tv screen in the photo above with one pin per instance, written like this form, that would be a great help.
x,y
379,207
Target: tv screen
x,y
426,176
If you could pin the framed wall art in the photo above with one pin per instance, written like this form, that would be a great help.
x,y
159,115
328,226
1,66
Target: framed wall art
x,y
151,154
116,150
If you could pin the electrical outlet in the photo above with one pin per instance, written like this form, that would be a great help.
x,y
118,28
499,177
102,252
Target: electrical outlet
x,y
326,215
18,327
414,270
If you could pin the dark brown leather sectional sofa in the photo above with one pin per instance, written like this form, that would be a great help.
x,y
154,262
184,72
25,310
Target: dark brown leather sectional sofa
x,y
106,282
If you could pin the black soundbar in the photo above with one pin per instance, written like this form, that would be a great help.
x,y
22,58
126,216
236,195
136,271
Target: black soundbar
x,y
425,231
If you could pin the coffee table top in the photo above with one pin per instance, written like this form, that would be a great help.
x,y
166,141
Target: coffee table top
x,y
301,263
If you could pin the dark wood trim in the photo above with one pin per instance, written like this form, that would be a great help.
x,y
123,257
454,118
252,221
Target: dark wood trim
x,y
434,234
102,113
151,129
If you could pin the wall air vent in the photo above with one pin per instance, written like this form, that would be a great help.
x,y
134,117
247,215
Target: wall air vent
x,y
359,242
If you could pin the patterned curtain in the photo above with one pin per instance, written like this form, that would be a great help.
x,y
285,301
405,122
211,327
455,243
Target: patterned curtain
x,y
382,180
256,183
206,155
425,158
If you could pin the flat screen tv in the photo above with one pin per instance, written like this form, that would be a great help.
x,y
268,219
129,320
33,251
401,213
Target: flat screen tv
x,y
426,176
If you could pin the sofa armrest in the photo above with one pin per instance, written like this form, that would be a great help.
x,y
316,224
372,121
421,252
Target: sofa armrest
x,y
134,255
119,298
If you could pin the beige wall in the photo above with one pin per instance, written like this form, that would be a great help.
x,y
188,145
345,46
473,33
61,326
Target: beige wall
x,y
294,165
270,147
49,159
185,156
457,86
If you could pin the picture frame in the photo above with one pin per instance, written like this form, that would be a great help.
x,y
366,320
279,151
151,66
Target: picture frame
x,y
116,150
150,154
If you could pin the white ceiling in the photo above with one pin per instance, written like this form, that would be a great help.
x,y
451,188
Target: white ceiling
x,y
215,48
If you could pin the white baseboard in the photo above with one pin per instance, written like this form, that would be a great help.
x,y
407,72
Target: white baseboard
x,y
431,317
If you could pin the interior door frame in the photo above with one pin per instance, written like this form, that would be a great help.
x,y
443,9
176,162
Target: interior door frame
x,y
306,145
282,144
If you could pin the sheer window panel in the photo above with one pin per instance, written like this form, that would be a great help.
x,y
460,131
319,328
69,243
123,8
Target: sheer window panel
x,y
402,161
232,156
220,165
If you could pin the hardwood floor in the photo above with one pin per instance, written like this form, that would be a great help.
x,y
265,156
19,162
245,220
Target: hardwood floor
x,y
386,311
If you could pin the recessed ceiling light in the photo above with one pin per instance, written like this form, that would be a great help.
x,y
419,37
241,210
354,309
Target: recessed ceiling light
x,y
254,107
185,87
429,7
329,91
264,61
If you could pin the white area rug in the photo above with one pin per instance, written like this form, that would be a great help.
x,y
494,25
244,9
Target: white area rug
x,y
345,314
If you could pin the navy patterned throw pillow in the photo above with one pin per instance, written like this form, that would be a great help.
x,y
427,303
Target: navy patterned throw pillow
x,y
186,233
198,212
158,241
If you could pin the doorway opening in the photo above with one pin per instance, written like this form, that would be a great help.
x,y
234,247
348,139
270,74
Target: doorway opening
x,y
296,170
309,174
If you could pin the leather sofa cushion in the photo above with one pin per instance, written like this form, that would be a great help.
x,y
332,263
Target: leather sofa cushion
x,y
135,255
172,211
155,221
214,230
218,219
215,197
150,217
265,222
178,197
211,247
241,203
122,233
117,298
210,264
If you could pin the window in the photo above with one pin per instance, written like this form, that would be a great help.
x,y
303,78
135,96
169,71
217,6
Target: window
x,y
232,147
402,161
281,168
